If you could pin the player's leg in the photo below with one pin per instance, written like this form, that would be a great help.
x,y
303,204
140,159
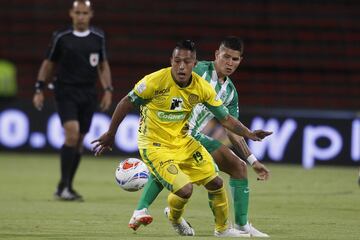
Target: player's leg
x,y
236,168
68,154
150,192
84,113
162,165
141,215
229,163
67,110
202,170
75,165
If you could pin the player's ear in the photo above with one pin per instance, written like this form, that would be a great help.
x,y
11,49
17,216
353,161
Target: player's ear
x,y
171,60
217,54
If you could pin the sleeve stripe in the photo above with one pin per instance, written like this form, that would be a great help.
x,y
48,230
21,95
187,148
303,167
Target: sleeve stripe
x,y
55,41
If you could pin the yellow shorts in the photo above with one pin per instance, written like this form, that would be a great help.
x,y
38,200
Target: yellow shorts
x,y
176,167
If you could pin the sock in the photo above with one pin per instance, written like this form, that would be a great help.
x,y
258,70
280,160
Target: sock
x,y
74,167
177,205
67,154
151,190
219,205
240,193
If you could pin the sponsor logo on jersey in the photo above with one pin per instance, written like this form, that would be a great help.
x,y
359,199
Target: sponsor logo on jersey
x,y
141,87
94,59
171,116
161,92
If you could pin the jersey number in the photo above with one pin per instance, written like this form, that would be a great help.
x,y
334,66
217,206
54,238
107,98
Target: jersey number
x,y
198,157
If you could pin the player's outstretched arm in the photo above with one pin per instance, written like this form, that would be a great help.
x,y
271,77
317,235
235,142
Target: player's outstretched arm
x,y
244,151
238,128
105,142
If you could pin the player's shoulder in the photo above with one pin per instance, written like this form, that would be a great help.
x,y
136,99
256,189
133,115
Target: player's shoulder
x,y
97,31
203,66
200,81
62,32
231,84
159,74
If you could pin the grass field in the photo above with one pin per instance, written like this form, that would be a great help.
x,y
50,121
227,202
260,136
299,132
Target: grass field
x,y
323,203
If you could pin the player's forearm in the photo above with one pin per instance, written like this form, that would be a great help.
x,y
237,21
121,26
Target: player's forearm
x,y
235,126
122,109
46,70
105,74
239,144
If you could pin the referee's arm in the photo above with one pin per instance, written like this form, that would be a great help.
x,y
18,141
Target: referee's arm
x,y
45,72
105,79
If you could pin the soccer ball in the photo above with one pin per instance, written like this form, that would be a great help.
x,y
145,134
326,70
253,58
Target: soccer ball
x,y
132,174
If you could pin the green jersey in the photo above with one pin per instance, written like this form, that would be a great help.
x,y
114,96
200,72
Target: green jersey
x,y
200,115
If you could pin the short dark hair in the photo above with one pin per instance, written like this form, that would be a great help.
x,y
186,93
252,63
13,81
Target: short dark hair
x,y
85,2
186,45
233,43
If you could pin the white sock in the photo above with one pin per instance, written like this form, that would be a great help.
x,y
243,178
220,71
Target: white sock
x,y
141,211
246,227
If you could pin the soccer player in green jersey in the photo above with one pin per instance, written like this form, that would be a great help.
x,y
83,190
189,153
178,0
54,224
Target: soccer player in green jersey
x,y
227,60
166,99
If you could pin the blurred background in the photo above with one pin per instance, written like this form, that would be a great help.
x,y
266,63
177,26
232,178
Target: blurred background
x,y
300,76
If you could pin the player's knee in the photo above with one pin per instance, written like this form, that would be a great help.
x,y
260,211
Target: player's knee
x,y
214,184
186,191
72,139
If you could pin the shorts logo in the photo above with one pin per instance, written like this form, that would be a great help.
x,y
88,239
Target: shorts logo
x,y
172,169
94,59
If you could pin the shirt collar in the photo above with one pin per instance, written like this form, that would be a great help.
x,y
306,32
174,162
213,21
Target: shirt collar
x,y
81,34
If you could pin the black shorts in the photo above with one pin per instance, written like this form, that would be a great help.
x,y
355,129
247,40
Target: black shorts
x,y
76,104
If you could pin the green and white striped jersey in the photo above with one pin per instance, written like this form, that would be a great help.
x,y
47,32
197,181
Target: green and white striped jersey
x,y
200,115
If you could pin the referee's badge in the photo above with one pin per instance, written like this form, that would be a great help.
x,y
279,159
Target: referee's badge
x,y
94,59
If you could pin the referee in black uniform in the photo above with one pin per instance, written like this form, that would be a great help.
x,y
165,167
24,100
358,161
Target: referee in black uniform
x,y
78,55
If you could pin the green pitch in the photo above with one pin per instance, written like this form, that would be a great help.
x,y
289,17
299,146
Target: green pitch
x,y
323,203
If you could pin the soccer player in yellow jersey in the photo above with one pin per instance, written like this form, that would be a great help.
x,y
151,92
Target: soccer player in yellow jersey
x,y
166,99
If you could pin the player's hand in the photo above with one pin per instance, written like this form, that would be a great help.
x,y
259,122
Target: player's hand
x,y
38,100
103,143
258,135
106,101
262,172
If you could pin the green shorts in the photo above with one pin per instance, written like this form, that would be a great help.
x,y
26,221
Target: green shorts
x,y
208,142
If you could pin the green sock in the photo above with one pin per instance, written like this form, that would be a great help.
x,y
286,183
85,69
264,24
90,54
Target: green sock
x,y
150,192
240,193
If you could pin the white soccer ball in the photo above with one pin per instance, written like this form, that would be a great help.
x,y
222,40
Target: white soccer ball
x,y
132,174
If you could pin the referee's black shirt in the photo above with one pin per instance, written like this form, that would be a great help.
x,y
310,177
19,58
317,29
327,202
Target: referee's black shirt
x,y
77,55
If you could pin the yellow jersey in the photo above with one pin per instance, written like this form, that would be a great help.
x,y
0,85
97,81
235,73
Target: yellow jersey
x,y
165,107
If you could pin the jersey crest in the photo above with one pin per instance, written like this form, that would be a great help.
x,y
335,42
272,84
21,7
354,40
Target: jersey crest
x,y
94,59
